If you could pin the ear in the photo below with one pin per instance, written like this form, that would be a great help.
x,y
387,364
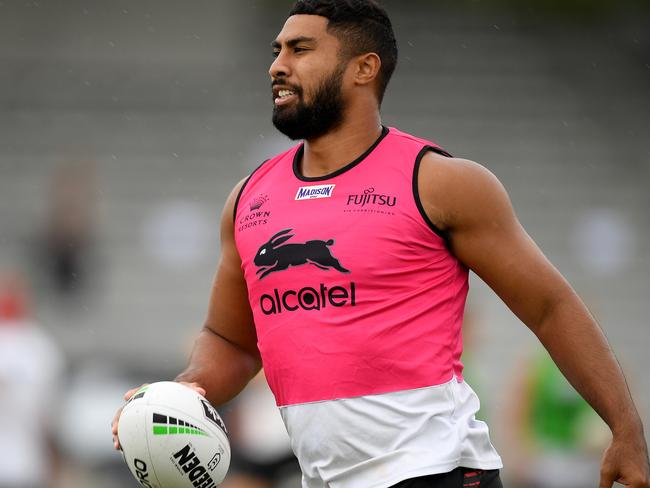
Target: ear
x,y
279,241
281,233
366,68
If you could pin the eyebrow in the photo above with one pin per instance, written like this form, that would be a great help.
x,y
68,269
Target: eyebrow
x,y
292,42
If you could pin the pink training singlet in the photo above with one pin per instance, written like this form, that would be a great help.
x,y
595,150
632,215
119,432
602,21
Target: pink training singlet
x,y
352,289
358,306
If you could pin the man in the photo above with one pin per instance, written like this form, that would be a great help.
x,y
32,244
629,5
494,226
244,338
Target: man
x,y
31,375
344,272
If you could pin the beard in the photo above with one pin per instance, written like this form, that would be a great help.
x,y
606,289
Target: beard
x,y
310,121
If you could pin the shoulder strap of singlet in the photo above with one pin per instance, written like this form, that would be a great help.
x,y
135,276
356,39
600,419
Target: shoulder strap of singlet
x,y
241,190
416,191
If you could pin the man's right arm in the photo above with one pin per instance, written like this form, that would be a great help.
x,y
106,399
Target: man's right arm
x,y
225,356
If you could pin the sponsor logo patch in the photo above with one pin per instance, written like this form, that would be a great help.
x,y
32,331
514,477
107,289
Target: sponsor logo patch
x,y
257,202
371,202
308,298
316,191
272,257
142,473
257,216
212,415
189,464
214,462
164,425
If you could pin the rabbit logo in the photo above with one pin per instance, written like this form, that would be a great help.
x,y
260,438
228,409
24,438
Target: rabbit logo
x,y
272,256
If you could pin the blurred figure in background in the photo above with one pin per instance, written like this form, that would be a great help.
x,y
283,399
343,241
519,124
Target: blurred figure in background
x,y
69,234
554,437
472,372
31,367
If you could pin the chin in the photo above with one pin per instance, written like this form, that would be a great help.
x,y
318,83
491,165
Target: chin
x,y
288,126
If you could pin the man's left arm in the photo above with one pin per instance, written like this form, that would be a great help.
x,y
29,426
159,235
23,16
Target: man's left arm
x,y
468,203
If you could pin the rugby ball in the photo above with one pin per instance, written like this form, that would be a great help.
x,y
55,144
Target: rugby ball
x,y
172,437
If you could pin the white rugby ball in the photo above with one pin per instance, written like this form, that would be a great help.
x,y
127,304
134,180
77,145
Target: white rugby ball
x,y
172,437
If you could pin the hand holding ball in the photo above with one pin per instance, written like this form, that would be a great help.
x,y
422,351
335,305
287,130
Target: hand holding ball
x,y
172,437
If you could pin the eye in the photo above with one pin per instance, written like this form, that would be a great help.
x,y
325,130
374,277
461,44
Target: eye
x,y
276,53
263,251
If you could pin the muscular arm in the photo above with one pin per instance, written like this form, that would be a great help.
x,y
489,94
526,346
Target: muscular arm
x,y
470,205
225,356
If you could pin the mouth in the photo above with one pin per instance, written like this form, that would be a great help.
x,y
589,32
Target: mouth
x,y
283,96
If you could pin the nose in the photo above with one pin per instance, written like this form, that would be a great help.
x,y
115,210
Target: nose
x,y
279,67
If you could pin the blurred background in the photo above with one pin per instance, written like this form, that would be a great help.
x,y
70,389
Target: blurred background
x,y
124,125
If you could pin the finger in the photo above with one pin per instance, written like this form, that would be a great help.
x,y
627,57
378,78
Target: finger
x,y
607,479
115,421
132,392
199,389
196,387
116,442
114,424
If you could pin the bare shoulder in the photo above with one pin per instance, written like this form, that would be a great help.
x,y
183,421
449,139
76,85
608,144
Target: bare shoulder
x,y
228,214
233,197
455,191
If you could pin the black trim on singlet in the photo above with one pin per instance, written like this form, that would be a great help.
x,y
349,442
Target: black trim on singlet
x,y
298,156
241,190
416,191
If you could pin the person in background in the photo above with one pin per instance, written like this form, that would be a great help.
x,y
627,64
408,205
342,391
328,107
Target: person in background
x,y
68,241
553,437
31,373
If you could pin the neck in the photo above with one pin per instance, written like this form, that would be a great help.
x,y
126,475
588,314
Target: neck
x,y
340,146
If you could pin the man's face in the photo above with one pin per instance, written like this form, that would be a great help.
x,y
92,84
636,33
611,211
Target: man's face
x,y
307,78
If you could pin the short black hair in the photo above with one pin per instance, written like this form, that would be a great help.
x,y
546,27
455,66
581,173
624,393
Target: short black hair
x,y
362,26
